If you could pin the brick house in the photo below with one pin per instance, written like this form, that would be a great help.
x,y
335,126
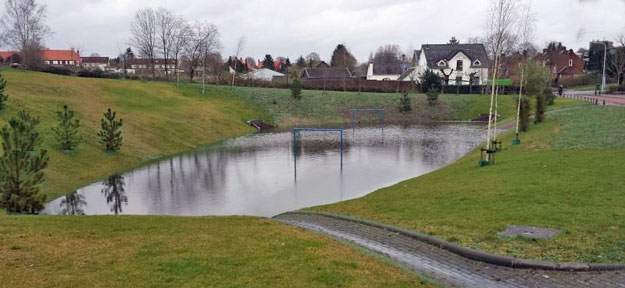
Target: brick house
x,y
64,58
560,61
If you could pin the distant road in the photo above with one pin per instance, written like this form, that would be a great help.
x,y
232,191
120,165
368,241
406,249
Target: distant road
x,y
610,99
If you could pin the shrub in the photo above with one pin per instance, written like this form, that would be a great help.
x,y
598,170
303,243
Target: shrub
x,y
54,70
111,132
550,97
430,80
432,96
22,167
3,95
67,131
524,122
404,103
539,116
613,89
296,90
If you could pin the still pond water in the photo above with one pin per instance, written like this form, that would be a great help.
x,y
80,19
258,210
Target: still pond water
x,y
259,175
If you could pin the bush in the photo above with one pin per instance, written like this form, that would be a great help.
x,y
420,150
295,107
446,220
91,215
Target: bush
x,y
296,90
3,95
432,96
404,103
614,89
22,166
430,80
524,122
111,132
539,116
54,70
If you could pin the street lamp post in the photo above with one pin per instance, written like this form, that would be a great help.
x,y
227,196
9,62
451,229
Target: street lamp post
x,y
605,59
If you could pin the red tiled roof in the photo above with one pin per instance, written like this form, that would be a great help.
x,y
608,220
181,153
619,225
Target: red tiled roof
x,y
60,55
8,54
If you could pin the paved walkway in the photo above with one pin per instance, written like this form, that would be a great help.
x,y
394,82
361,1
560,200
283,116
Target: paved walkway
x,y
589,96
442,266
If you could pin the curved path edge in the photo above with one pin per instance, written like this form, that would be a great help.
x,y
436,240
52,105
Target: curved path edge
x,y
494,259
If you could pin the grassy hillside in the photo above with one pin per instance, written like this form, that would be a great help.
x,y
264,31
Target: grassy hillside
x,y
159,119
331,107
567,175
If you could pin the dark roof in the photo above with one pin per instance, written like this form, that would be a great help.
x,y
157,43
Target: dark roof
x,y
434,53
102,60
326,73
387,69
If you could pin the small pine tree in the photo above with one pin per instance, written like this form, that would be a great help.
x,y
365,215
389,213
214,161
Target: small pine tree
x,y
22,167
524,122
296,90
3,95
539,116
67,131
111,132
432,95
404,103
31,123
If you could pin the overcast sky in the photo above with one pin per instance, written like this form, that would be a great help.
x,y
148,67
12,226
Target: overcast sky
x,y
294,27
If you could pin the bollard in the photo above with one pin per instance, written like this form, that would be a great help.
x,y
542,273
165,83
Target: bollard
x,y
603,102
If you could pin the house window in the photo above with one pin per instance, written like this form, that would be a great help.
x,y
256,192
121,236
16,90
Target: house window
x,y
570,62
477,63
459,65
441,63
55,62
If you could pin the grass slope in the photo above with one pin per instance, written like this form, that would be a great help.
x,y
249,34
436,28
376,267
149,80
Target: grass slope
x,y
181,252
332,107
159,119
567,174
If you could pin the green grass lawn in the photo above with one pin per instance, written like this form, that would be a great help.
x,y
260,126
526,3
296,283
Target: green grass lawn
x,y
567,174
160,119
333,108
181,252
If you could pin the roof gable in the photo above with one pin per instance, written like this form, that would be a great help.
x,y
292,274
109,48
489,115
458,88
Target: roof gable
x,y
434,53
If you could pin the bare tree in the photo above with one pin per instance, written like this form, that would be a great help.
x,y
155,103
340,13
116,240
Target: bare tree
x,y
182,33
388,59
143,35
237,52
313,59
203,40
23,28
617,60
500,37
526,34
166,24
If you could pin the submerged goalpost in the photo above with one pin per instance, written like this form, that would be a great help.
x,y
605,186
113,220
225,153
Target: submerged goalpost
x,y
296,132
355,113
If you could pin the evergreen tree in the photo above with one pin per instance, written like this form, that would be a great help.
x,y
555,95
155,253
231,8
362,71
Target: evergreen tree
x,y
3,95
539,116
31,123
301,62
404,103
268,62
432,96
430,80
524,122
342,58
296,90
111,132
22,167
67,131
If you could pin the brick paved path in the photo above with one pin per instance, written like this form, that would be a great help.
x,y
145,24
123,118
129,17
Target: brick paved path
x,y
442,266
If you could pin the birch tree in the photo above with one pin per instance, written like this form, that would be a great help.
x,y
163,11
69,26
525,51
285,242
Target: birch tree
x,y
23,27
526,35
617,63
143,35
501,22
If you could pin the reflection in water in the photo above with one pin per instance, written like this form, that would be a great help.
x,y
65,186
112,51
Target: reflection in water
x,y
72,204
114,192
254,175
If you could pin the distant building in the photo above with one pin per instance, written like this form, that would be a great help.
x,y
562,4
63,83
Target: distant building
x,y
62,58
10,58
460,64
326,73
262,74
102,63
560,61
144,65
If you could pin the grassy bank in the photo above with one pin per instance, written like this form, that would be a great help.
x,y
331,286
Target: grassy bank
x,y
332,107
566,175
159,119
181,252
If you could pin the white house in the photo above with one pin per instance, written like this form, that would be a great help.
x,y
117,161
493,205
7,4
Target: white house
x,y
461,64
263,74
